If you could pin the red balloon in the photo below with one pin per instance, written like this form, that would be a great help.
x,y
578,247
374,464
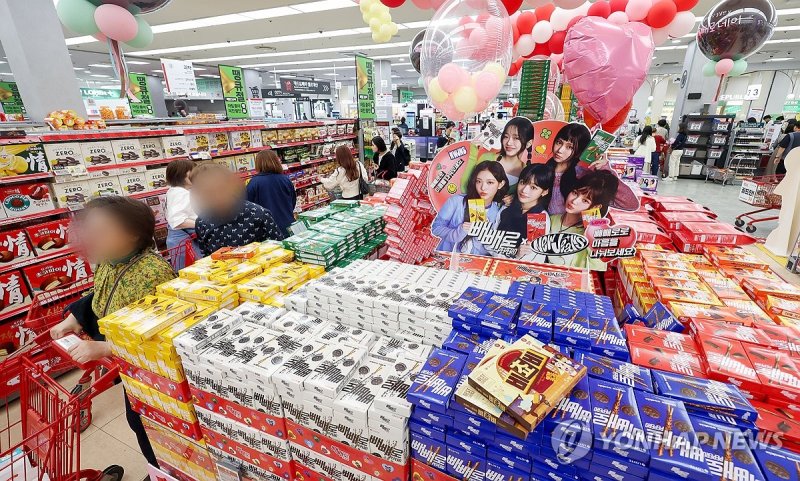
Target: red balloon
x,y
614,123
556,42
573,22
515,67
618,5
600,9
515,31
393,3
544,12
526,21
511,5
685,5
661,13
540,49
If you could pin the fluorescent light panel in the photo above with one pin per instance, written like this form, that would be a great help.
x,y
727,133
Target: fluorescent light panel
x,y
136,62
352,48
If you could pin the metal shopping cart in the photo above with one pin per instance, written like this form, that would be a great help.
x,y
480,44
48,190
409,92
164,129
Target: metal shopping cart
x,y
40,433
758,192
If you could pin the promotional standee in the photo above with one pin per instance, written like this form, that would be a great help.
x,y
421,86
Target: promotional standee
x,y
532,191
781,240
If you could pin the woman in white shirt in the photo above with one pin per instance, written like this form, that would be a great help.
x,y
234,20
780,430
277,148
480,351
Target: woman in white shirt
x,y
180,214
347,175
646,146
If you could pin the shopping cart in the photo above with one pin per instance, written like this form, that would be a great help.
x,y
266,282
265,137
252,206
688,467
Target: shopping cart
x,y
40,433
180,256
758,192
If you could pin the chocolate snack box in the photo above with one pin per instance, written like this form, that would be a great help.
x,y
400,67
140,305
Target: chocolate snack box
x,y
526,379
784,338
654,338
572,417
608,369
94,154
704,395
26,199
58,272
571,328
726,361
778,373
14,293
659,317
616,425
469,306
536,319
734,332
763,287
499,312
15,246
686,312
668,429
607,338
678,362
435,383
726,451
778,464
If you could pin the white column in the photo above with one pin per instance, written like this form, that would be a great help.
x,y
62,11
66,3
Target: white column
x,y
383,87
693,82
33,41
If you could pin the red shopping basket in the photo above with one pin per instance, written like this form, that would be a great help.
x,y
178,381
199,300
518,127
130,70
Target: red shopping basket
x,y
40,433
180,256
47,308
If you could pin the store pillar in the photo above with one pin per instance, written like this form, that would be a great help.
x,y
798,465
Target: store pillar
x,y
696,92
33,41
383,90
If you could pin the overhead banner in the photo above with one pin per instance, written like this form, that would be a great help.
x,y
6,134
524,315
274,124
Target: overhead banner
x,y
406,96
365,86
296,86
278,94
521,190
234,92
144,106
179,76
10,98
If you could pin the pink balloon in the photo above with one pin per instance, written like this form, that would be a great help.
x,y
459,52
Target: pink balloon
x,y
495,30
723,67
619,18
422,4
477,38
660,36
682,24
638,9
487,86
452,76
606,63
100,37
116,22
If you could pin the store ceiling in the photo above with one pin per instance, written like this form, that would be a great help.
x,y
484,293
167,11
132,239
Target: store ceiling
x,y
317,38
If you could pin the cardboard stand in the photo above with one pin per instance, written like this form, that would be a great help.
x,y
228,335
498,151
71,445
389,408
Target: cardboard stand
x,y
780,241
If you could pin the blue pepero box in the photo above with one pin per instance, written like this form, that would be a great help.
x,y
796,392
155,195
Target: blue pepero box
x,y
463,465
628,466
571,328
469,305
728,451
430,451
571,418
607,338
602,367
703,395
616,425
500,472
466,442
536,319
499,312
778,464
432,432
436,381
431,418
462,342
659,317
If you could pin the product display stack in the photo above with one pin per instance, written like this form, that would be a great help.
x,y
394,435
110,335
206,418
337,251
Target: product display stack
x,y
409,215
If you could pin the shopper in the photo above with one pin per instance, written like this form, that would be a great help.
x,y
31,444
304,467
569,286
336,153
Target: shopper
x,y
487,182
534,190
225,217
401,154
568,144
516,143
661,149
447,137
403,126
595,189
271,189
347,176
179,212
675,155
387,166
766,119
117,235
789,142
645,146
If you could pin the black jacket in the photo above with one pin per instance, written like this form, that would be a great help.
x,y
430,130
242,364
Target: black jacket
x,y
387,169
402,157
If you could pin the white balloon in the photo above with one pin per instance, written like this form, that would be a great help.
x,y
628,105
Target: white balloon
x,y
681,25
568,4
637,9
660,35
584,9
525,45
560,18
542,31
619,18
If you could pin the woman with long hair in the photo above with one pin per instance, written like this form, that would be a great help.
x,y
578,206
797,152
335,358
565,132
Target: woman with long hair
x,y
271,189
515,148
487,184
400,152
645,147
568,144
384,159
347,175
534,191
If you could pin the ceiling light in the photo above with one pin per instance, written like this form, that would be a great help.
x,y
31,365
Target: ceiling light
x,y
157,70
676,41
136,62
2,62
316,69
100,65
354,48
324,5
209,75
411,70
7,74
78,68
100,75
785,40
779,59
673,47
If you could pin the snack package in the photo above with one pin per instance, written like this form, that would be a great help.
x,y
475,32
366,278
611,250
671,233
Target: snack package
x,y
537,225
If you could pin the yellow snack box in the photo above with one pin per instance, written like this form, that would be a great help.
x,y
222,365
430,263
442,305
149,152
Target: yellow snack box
x,y
207,291
160,316
205,269
236,273
243,252
171,288
266,247
167,335
228,303
258,289
276,256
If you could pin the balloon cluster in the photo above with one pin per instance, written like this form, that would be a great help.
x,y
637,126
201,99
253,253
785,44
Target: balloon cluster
x,y
465,55
542,32
379,19
733,30
110,19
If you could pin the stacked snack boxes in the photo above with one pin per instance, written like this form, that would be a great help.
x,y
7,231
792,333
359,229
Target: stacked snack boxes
x,y
337,234
409,215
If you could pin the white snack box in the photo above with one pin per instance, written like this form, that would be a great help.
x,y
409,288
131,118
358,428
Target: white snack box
x,y
174,146
127,150
103,187
202,334
340,362
71,195
198,142
151,148
101,150
270,358
65,158
156,178
133,183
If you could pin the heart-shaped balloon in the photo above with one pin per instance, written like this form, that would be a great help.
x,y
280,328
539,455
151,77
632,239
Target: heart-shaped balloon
x,y
606,63
614,123
615,241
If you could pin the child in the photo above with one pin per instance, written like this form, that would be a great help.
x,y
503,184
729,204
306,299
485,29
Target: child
x,y
595,189
225,218
487,182
515,144
533,196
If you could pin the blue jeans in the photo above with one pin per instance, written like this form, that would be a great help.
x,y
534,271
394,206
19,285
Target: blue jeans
x,y
655,159
176,237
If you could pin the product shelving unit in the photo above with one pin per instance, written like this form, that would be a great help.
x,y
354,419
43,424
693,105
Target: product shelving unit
x,y
746,150
708,138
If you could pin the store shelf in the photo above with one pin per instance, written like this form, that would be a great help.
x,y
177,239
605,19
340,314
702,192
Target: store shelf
x,y
17,179
306,184
28,139
150,193
296,144
311,205
80,135
35,260
40,215
145,163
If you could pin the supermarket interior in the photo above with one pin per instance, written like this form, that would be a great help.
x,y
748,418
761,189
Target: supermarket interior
x,y
399,240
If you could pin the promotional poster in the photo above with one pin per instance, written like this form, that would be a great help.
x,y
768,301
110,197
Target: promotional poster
x,y
527,190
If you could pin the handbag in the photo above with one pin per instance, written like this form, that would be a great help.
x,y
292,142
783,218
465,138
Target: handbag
x,y
363,187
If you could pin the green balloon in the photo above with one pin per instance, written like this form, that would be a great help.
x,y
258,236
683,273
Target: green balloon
x,y
144,36
708,69
739,66
78,16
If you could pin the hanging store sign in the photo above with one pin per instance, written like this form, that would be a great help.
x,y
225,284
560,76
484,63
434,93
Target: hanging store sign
x,y
143,106
9,97
278,94
365,86
234,91
292,85
179,76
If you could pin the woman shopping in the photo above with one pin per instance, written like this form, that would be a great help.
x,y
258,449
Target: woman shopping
x,y
387,165
117,234
401,155
180,216
271,189
645,147
675,155
348,175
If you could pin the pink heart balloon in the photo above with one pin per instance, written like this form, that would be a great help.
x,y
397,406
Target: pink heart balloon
x,y
605,63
